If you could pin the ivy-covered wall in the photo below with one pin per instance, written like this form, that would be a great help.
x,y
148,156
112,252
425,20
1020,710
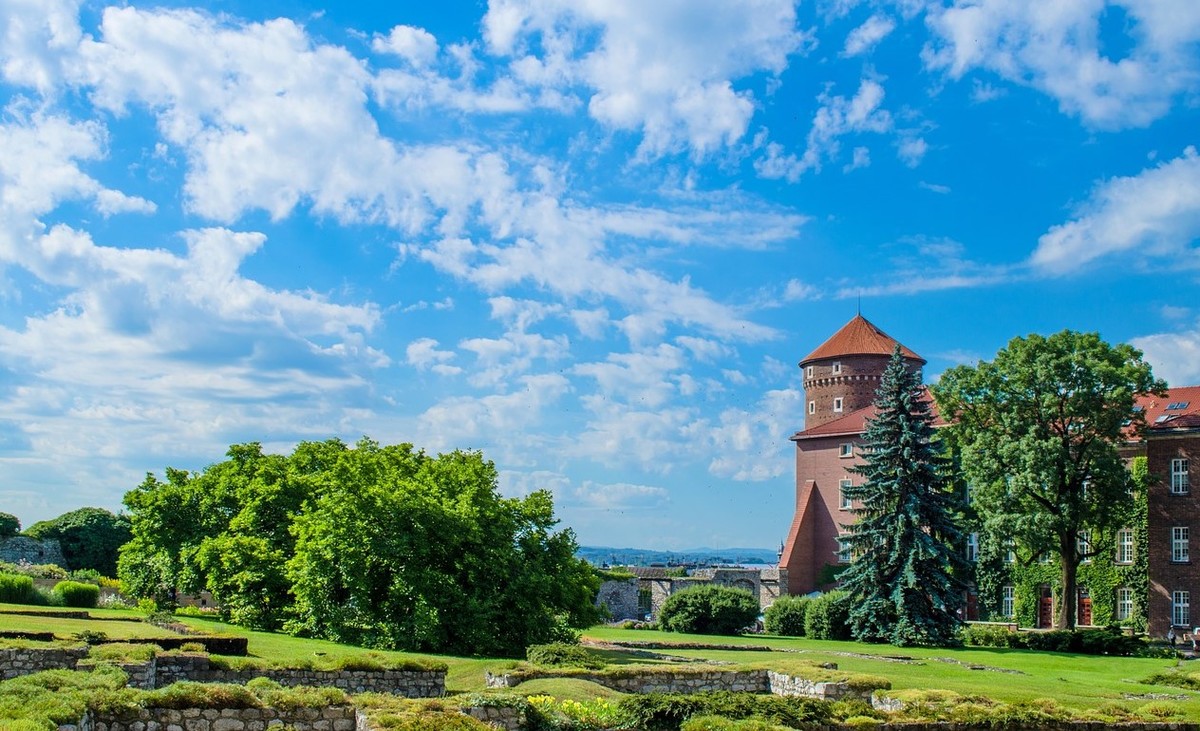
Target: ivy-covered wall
x,y
1102,576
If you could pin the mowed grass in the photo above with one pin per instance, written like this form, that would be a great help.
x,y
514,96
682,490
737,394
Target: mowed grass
x,y
65,629
1077,681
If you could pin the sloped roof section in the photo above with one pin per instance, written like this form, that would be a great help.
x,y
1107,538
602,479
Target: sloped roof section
x,y
1179,409
859,337
855,423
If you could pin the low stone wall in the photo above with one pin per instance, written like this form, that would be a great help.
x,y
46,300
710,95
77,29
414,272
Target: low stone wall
x,y
407,683
16,661
698,681
509,719
330,718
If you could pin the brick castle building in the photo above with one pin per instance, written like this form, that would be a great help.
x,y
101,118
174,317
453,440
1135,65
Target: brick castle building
x,y
840,379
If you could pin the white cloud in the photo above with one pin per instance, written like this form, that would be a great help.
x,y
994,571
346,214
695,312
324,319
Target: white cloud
x,y
39,167
1152,216
752,444
1056,48
415,45
466,421
866,36
36,37
664,69
934,187
911,150
423,354
1175,356
860,159
619,495
835,118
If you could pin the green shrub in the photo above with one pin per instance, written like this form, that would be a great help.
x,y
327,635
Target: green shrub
x,y
78,594
659,712
561,654
193,647
202,612
54,697
1099,641
10,525
828,617
123,652
786,616
16,589
709,610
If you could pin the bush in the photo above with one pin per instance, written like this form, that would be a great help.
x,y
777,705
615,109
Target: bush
x,y
10,525
828,617
561,654
78,594
709,610
659,712
16,589
1100,641
786,616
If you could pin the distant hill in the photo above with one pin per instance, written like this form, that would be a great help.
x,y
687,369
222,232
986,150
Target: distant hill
x,y
602,555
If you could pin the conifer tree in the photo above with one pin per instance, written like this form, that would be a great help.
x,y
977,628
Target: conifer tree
x,y
906,545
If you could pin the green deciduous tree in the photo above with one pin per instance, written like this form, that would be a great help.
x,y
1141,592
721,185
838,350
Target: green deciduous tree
x,y
90,538
709,609
905,576
374,545
10,525
1038,429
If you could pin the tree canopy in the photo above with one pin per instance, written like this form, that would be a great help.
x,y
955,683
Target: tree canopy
x,y
10,525
89,537
1038,430
905,576
381,546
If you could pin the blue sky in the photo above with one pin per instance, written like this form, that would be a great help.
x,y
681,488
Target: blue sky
x,y
590,238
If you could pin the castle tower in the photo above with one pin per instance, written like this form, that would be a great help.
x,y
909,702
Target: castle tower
x,y
842,375
840,380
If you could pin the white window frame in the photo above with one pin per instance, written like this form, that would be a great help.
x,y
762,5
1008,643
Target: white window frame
x,y
1181,483
1180,550
846,449
1125,546
1181,609
812,407
838,402
1083,544
843,552
1008,601
972,547
1124,607
1010,551
836,368
844,503
808,372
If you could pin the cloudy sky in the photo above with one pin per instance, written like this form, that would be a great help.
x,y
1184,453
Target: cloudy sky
x,y
591,238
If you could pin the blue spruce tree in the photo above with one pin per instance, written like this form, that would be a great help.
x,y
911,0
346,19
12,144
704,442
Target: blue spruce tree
x,y
905,574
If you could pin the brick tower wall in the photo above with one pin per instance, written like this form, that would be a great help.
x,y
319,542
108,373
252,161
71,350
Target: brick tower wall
x,y
852,378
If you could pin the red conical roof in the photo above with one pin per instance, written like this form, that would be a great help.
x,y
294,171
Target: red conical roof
x,y
859,337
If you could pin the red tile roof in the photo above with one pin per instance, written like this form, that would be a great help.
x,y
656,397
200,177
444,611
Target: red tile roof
x,y
858,337
1186,411
856,423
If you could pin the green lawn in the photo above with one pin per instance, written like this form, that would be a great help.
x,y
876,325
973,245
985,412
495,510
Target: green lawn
x,y
65,629
1078,681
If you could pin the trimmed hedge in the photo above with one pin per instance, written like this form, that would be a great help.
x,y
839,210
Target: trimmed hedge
x,y
17,589
663,712
562,654
1101,641
786,616
709,610
828,617
77,594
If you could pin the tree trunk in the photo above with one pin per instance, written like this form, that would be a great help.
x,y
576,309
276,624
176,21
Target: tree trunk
x,y
1066,607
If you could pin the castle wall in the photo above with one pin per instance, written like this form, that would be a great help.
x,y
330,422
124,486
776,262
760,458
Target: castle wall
x,y
21,549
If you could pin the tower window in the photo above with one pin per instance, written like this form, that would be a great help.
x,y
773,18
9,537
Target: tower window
x,y
812,407
808,372
837,404
837,367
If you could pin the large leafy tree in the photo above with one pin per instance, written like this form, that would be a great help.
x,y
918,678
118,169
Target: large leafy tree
x,y
90,538
905,577
375,545
1038,429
